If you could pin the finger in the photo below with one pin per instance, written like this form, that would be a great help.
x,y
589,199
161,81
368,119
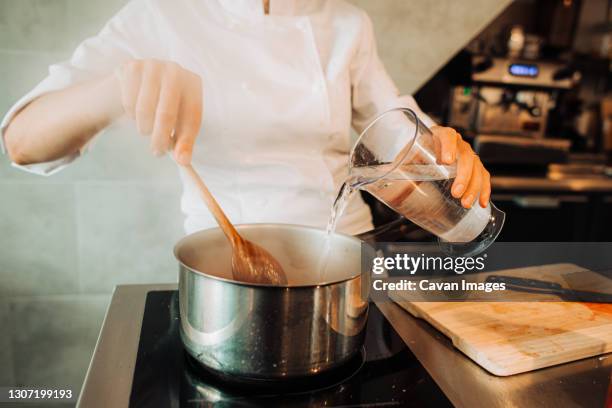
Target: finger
x,y
189,120
485,191
166,113
446,141
437,144
130,76
465,161
474,185
148,95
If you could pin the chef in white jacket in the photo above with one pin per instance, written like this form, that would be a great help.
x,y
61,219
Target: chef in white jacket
x,y
259,95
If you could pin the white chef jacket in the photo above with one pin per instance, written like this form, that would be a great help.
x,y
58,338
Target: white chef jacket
x,y
280,92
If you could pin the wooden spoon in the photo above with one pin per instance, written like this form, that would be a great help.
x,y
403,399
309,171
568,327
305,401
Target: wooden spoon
x,y
250,262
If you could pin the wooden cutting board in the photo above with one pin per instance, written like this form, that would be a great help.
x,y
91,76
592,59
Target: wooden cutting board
x,y
507,338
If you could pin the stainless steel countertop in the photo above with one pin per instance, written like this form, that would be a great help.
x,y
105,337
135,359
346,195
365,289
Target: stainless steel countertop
x,y
574,184
108,381
582,383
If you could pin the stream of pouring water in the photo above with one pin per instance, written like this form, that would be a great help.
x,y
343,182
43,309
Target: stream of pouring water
x,y
360,178
419,192
348,188
340,203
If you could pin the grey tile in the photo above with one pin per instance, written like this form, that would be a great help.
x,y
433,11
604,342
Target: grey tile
x,y
21,71
88,17
8,172
7,377
126,233
24,24
52,24
38,239
54,338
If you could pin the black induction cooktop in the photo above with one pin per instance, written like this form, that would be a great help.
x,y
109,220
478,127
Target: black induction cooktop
x,y
386,374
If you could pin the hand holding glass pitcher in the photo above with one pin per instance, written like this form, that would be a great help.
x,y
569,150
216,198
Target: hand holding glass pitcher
x,y
395,159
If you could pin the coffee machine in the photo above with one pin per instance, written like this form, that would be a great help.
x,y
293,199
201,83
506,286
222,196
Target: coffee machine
x,y
506,107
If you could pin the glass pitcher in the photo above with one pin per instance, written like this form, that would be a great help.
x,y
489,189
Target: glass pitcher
x,y
394,159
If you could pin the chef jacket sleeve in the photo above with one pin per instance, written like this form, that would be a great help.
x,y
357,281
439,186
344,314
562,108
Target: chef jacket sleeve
x,y
373,91
128,35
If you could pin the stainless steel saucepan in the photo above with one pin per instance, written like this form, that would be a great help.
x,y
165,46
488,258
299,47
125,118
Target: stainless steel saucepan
x,y
261,332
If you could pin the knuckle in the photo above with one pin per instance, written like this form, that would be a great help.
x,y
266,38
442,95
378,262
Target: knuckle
x,y
187,138
143,113
161,141
146,104
152,67
443,133
147,99
184,145
463,175
164,116
474,181
197,80
134,63
471,191
467,160
172,69
473,159
174,65
190,130
133,66
192,110
150,63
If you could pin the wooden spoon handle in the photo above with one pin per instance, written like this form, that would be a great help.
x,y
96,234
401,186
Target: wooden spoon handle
x,y
225,224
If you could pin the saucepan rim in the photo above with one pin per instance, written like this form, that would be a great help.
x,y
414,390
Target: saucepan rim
x,y
263,285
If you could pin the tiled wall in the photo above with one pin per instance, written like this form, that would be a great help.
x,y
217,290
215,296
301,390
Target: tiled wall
x,y
68,239
113,217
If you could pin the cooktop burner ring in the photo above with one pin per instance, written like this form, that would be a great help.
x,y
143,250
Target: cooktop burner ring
x,y
199,375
